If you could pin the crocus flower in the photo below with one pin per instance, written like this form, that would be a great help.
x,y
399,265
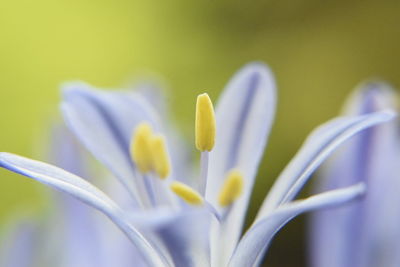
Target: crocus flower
x,y
365,233
172,217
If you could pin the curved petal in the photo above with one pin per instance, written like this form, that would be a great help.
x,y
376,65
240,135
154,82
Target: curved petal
x,y
104,122
318,146
371,224
84,191
244,116
257,239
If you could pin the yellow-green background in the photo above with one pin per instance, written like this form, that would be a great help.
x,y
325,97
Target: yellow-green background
x,y
319,50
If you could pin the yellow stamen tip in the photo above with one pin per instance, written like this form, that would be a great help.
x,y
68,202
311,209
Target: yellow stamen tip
x,y
140,147
231,189
205,123
161,162
186,193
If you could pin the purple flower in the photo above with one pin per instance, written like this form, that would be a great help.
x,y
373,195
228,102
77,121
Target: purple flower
x,y
206,228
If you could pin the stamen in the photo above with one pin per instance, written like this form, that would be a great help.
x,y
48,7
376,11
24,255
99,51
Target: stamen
x,y
231,189
140,147
187,193
205,123
203,172
161,162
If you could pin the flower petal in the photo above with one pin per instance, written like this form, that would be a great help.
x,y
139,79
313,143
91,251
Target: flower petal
x,y
78,225
104,123
18,244
318,146
80,234
84,191
370,226
187,238
256,240
180,151
244,116
65,152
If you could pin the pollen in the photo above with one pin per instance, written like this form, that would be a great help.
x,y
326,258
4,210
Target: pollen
x,y
160,156
231,189
140,147
205,123
188,194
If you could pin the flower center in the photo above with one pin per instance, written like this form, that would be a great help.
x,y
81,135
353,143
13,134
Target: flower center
x,y
149,153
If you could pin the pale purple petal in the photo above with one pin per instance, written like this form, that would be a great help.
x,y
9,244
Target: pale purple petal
x,y
187,238
244,115
256,240
365,233
180,151
79,226
18,245
65,152
318,146
84,191
104,122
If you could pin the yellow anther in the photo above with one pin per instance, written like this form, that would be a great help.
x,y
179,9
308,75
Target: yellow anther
x,y
205,123
231,189
161,162
186,193
140,147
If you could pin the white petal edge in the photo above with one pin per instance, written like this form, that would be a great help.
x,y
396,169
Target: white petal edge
x,y
84,191
254,243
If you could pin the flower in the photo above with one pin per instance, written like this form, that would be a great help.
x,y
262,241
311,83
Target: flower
x,y
365,233
184,219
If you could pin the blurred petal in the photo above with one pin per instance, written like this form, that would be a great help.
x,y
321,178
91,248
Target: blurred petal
x,y
318,146
244,115
18,245
256,240
104,123
364,233
180,152
187,238
79,226
81,244
65,152
85,237
84,191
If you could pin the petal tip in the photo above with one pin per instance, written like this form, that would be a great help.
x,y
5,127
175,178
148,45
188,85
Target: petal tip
x,y
388,114
360,189
70,87
257,67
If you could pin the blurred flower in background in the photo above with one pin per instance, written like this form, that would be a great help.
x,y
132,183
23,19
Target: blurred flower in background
x,y
317,49
364,233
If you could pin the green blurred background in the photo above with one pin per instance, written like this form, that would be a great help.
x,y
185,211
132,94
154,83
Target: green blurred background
x,y
319,50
